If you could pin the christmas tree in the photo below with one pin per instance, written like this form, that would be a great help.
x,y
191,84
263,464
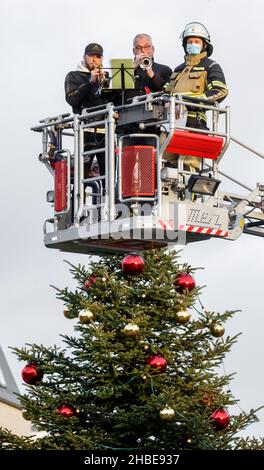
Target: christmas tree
x,y
143,371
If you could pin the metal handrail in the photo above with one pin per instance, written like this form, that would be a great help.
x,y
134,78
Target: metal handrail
x,y
258,154
261,155
87,120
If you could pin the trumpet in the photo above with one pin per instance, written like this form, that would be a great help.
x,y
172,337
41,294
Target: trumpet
x,y
104,82
146,63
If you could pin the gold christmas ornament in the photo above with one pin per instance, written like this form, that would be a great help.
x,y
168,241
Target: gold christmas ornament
x,y
207,400
167,413
131,329
68,314
217,329
85,316
183,317
145,345
25,415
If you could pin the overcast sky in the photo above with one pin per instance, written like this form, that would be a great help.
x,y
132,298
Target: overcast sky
x,y
41,42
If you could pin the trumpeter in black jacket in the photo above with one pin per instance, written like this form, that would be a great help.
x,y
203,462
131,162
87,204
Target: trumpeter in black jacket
x,y
154,77
82,90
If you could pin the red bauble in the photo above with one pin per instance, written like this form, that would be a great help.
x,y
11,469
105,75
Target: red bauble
x,y
32,373
185,281
220,418
89,283
133,265
66,410
157,362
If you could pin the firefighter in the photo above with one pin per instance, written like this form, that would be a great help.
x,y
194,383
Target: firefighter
x,y
198,76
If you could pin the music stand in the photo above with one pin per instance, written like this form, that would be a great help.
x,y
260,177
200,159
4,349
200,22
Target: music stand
x,y
123,76
123,82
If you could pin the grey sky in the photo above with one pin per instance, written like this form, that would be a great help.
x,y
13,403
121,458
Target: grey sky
x,y
41,42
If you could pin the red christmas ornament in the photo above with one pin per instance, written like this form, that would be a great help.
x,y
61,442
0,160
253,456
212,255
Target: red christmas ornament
x,y
157,362
220,418
89,283
133,265
32,373
185,281
66,410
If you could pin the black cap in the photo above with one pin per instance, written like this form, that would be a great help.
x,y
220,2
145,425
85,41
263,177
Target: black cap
x,y
94,48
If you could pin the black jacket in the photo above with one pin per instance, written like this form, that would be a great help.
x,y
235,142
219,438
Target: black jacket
x,y
80,92
162,75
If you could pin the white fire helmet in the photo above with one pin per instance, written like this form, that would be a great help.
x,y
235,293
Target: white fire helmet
x,y
197,30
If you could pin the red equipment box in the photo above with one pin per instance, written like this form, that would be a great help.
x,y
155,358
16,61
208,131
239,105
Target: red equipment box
x,y
60,186
138,171
197,145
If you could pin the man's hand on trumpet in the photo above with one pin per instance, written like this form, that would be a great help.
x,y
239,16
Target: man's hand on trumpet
x,y
97,75
139,62
138,59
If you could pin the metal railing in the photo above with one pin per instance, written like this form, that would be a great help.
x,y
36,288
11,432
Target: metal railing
x,y
54,129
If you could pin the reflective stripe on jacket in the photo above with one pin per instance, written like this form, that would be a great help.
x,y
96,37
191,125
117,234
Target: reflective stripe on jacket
x,y
198,77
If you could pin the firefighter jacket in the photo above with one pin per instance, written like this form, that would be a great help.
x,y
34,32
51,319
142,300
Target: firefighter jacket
x,y
80,92
198,77
162,74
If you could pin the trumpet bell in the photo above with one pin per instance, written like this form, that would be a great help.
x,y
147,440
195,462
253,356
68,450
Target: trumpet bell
x,y
146,63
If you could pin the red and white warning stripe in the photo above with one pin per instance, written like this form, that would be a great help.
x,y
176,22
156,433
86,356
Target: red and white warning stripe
x,y
168,224
204,230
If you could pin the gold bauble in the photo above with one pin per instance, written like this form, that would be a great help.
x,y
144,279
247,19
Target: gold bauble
x,y
68,313
26,415
183,317
131,329
85,316
207,400
167,413
217,329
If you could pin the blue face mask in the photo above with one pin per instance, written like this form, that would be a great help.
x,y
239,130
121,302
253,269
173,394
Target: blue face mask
x,y
193,49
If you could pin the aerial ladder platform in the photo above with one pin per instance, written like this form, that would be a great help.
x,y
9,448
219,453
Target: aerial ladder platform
x,y
162,182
